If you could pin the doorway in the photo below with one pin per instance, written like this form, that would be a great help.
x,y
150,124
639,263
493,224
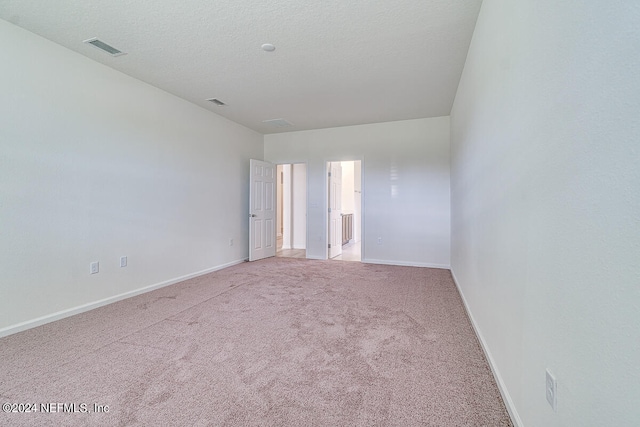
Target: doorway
x,y
344,195
291,210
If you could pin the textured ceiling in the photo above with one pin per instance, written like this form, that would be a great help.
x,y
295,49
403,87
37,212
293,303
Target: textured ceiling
x,y
336,63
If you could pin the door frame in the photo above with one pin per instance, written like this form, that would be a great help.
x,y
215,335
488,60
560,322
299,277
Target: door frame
x,y
306,183
332,216
325,214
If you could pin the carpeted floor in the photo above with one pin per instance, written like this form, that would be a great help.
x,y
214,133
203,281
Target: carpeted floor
x,y
278,342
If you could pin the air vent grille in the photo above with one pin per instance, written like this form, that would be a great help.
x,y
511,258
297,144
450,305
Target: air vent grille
x,y
278,123
217,102
104,47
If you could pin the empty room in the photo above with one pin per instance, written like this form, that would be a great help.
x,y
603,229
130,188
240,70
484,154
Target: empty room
x,y
320,213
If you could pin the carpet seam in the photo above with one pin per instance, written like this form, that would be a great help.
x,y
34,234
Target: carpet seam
x,y
118,340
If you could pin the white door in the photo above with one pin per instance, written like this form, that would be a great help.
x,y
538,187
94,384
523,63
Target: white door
x,y
335,209
262,210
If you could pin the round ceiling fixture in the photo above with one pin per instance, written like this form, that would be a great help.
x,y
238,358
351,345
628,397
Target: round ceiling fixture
x,y
268,47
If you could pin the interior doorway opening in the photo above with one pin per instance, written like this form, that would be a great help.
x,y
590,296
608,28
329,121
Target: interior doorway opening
x,y
291,210
344,228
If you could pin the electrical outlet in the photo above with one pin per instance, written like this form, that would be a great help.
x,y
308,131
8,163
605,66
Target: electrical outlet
x,y
379,240
552,389
94,267
123,261
230,242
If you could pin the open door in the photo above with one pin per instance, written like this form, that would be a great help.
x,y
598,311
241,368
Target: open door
x,y
335,209
262,210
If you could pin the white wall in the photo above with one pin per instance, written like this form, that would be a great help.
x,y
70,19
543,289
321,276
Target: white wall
x,y
546,204
96,165
405,189
299,205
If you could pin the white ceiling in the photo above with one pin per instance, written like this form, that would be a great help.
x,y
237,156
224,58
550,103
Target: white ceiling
x,y
336,63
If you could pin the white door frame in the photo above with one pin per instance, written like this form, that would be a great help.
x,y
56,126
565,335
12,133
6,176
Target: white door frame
x,y
335,209
306,183
326,205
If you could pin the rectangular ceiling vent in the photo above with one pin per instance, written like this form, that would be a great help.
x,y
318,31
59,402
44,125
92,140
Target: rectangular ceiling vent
x,y
104,47
278,123
217,102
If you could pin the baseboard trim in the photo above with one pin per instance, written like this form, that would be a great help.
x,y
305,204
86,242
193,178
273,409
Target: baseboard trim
x,y
405,263
23,326
506,397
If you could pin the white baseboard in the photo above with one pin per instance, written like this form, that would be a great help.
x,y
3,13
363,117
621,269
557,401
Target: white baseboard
x,y
23,326
405,263
511,409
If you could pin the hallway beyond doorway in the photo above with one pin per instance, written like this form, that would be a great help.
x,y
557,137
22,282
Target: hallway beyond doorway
x,y
350,252
291,207
344,196
291,253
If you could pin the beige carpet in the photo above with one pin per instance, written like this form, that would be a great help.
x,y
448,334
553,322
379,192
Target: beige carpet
x,y
278,342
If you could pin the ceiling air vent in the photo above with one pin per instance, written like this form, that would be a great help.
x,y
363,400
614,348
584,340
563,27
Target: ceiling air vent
x,y
278,123
217,102
104,47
